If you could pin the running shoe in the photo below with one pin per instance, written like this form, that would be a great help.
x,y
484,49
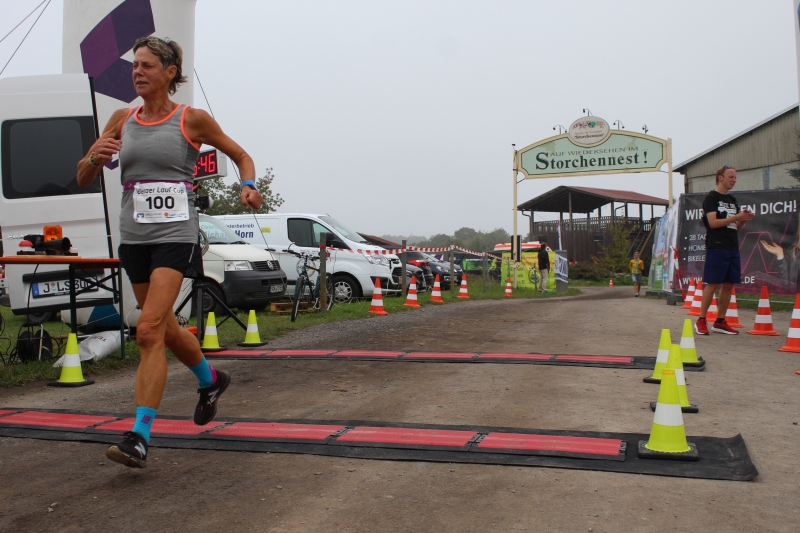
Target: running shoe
x,y
207,406
701,327
132,451
723,327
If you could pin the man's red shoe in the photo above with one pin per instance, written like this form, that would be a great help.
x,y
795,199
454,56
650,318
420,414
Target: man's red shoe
x,y
723,327
700,327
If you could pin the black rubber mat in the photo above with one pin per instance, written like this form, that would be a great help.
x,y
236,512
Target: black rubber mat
x,y
598,361
722,459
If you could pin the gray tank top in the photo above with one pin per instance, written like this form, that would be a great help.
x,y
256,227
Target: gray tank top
x,y
157,151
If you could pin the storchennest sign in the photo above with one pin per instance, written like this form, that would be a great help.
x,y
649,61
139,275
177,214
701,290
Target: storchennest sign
x,y
591,148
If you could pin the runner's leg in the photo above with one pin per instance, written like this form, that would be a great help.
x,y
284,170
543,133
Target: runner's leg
x,y
156,300
724,299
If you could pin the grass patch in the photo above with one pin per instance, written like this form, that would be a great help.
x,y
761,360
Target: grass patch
x,y
270,326
19,374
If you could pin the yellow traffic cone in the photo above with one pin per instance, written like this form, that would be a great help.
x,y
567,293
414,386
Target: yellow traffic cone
x,y
71,373
252,338
688,350
667,435
210,340
674,363
662,356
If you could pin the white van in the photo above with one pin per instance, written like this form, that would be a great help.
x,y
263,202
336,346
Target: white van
x,y
243,275
354,272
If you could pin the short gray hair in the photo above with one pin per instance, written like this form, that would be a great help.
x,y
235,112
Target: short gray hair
x,y
170,53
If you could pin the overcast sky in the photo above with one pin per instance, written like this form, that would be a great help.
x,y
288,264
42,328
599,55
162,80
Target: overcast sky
x,y
398,117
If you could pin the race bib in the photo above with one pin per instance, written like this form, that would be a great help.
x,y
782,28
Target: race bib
x,y
160,202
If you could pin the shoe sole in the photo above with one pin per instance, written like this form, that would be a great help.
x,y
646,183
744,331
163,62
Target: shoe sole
x,y
221,390
118,456
698,331
715,330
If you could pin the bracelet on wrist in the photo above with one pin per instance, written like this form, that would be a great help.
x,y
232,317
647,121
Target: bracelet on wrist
x,y
248,183
91,160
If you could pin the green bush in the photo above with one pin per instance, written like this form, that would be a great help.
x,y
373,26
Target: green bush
x,y
588,272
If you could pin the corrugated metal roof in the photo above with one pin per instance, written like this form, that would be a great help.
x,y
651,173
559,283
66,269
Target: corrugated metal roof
x,y
680,168
585,199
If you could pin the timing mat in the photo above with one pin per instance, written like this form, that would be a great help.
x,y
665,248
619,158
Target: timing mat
x,y
600,361
723,459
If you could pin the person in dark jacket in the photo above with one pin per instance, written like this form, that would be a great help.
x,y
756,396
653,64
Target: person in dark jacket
x,y
544,267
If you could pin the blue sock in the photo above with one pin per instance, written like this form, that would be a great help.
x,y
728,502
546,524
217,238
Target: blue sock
x,y
204,373
144,419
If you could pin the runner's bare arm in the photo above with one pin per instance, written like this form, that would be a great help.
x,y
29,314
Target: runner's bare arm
x,y
103,149
201,128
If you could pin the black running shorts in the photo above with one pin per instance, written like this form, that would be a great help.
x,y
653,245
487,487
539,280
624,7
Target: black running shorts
x,y
139,260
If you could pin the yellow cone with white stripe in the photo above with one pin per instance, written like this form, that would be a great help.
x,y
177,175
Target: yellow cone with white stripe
x,y
667,434
674,363
662,356
252,337
210,339
71,367
688,350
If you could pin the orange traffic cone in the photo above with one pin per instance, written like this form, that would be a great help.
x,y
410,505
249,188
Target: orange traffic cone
x,y
508,293
436,294
611,282
698,299
411,298
763,325
793,339
377,300
463,292
732,314
687,302
713,310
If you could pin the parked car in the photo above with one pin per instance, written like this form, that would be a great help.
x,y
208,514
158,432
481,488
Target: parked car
x,y
421,260
241,275
443,269
354,269
419,276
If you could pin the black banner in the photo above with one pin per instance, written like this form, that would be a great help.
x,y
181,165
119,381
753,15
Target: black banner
x,y
769,244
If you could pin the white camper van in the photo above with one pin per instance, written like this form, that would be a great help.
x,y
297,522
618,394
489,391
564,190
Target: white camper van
x,y
354,272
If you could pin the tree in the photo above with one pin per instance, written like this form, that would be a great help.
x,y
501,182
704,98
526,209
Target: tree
x,y
616,252
226,197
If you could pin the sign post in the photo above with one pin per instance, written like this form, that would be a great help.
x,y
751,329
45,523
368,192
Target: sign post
x,y
588,148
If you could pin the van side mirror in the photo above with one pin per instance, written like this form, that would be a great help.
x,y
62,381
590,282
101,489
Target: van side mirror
x,y
332,242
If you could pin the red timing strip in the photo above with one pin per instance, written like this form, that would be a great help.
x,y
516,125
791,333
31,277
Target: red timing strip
x,y
407,436
583,445
243,353
596,359
162,426
299,353
367,353
439,355
56,420
528,356
6,411
278,431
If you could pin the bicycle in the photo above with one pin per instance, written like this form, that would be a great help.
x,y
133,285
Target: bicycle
x,y
304,289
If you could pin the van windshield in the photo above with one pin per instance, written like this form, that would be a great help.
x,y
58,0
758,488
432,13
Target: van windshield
x,y
217,232
343,230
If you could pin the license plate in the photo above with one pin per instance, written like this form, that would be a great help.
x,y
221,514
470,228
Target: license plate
x,y
276,288
57,288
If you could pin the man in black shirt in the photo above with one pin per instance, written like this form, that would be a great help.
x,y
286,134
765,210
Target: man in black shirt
x,y
544,267
722,219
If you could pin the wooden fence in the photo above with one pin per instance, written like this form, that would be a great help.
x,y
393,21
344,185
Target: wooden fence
x,y
583,239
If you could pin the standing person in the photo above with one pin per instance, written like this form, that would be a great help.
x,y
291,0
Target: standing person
x,y
722,219
158,144
544,267
637,267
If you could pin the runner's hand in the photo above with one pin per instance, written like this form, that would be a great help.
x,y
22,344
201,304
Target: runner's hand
x,y
105,149
746,215
251,198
